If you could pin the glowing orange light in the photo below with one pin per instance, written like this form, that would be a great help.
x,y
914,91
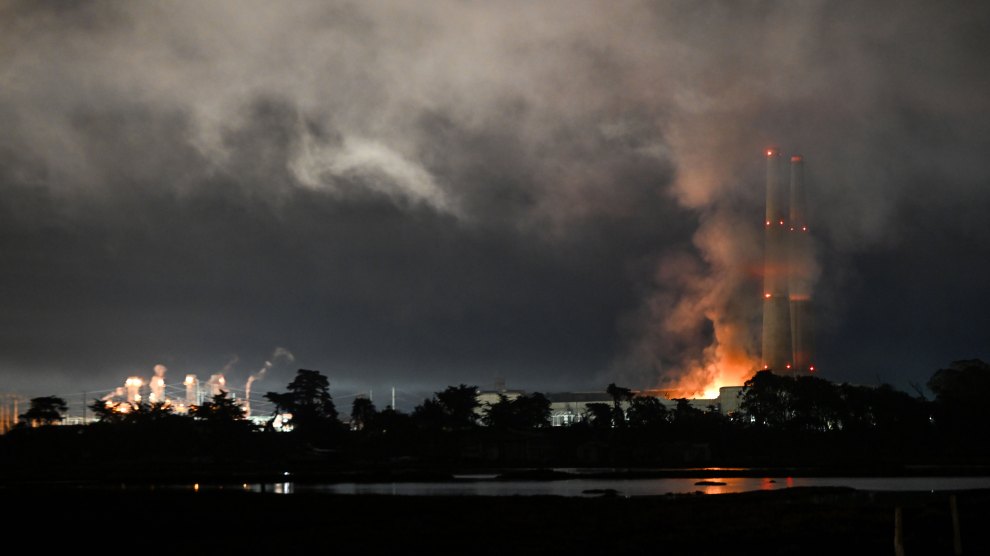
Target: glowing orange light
x,y
781,222
768,222
769,152
788,365
804,228
812,369
767,295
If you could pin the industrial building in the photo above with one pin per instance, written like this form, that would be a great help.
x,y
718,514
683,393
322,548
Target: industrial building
x,y
567,408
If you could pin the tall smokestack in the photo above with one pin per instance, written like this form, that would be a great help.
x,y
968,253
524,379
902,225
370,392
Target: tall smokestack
x,y
192,391
157,385
801,270
133,386
776,309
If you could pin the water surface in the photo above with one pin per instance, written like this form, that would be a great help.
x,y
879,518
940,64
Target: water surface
x,y
486,485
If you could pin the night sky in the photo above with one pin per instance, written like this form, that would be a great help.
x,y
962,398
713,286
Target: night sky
x,y
418,194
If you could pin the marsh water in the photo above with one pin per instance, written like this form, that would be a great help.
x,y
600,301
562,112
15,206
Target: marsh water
x,y
488,485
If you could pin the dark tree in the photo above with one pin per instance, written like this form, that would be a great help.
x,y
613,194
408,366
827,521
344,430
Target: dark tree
x,y
599,415
429,415
146,413
107,411
133,413
46,410
815,404
522,413
857,413
391,422
766,399
220,409
532,411
646,412
363,413
963,381
459,403
308,401
685,413
897,412
499,415
619,395
959,392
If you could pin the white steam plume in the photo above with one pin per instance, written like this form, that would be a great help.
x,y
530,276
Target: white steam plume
x,y
157,385
279,355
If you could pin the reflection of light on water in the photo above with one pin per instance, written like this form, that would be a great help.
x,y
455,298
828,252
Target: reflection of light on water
x,y
283,488
731,485
720,469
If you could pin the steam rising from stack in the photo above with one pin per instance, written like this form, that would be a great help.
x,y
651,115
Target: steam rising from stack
x,y
280,353
157,385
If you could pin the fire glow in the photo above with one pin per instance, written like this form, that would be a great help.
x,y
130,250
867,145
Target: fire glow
x,y
728,363
710,296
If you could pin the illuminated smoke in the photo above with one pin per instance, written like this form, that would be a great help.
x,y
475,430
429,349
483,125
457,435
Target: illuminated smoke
x,y
382,169
115,393
230,364
698,327
133,388
157,385
217,384
278,355
192,390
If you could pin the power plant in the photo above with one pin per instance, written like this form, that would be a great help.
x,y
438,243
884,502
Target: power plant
x,y
788,272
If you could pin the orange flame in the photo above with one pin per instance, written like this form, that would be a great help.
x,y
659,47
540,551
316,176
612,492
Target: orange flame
x,y
727,363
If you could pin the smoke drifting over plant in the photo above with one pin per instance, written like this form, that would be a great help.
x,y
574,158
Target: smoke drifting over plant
x,y
435,193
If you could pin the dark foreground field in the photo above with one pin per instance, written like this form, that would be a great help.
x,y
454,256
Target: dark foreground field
x,y
794,521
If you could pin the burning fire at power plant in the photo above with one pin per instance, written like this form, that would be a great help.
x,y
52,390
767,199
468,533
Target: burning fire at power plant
x,y
708,296
717,293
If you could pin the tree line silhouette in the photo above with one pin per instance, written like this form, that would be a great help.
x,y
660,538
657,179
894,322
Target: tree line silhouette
x,y
782,419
